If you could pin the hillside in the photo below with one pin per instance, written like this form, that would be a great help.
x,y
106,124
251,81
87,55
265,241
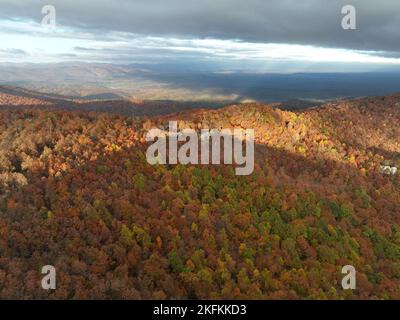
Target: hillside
x,y
77,193
12,98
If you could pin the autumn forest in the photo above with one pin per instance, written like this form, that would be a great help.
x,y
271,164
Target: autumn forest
x,y
76,192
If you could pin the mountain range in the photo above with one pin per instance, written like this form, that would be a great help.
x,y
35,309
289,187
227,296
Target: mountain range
x,y
176,83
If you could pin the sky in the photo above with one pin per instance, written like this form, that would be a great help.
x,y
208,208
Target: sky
x,y
254,35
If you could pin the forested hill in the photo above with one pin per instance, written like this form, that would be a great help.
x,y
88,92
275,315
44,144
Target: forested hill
x,y
77,193
16,98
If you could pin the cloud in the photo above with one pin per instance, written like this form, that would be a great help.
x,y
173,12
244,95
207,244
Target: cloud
x,y
208,31
14,51
70,44
309,22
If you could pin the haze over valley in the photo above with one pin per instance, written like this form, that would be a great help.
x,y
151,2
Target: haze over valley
x,y
171,82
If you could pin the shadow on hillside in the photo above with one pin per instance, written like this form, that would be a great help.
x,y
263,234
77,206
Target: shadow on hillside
x,y
327,178
119,107
26,93
107,183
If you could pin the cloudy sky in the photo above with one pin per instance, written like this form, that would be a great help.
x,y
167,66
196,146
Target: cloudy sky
x,y
237,34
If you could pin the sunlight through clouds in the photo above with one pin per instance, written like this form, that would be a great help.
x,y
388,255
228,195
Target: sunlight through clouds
x,y
65,43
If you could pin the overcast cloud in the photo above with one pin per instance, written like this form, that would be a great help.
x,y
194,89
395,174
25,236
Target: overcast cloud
x,y
246,29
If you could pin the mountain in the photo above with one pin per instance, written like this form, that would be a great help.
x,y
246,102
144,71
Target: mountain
x,y
173,82
77,193
12,98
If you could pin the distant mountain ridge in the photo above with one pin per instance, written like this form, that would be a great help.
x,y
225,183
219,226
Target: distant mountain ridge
x,y
169,82
12,97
